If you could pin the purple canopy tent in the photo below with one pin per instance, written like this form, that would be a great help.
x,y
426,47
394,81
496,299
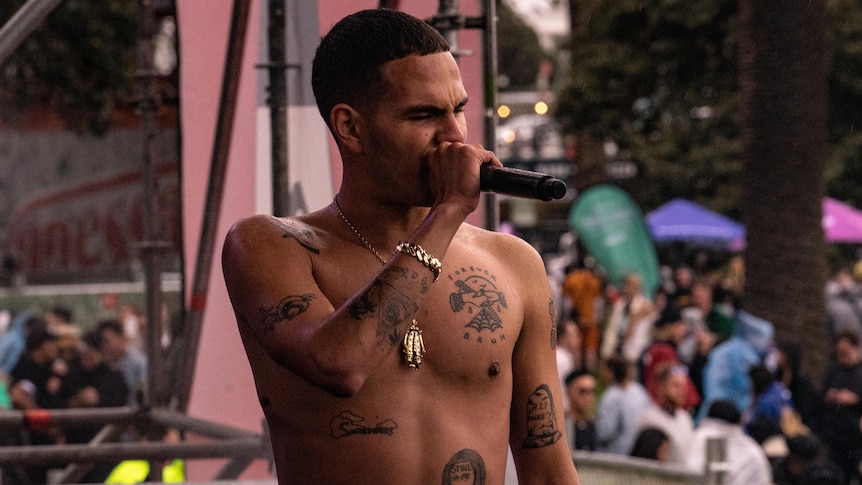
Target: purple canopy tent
x,y
682,220
842,223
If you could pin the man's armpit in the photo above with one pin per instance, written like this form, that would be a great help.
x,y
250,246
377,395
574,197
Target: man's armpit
x,y
542,429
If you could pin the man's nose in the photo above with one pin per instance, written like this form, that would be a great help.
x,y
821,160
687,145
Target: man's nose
x,y
451,129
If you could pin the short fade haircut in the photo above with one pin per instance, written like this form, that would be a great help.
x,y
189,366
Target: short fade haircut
x,y
347,66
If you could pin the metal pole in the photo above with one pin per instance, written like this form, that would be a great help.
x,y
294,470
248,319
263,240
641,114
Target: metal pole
x,y
151,246
184,355
449,21
489,77
278,108
22,24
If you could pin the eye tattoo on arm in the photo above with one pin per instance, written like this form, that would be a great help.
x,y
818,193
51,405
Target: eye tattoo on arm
x,y
541,419
286,310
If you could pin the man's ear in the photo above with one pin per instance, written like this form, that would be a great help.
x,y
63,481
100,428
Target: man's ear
x,y
346,125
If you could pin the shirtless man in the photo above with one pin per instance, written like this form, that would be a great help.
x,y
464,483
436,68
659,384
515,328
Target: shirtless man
x,y
330,312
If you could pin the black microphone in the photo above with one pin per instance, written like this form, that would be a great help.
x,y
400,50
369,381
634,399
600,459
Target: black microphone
x,y
520,183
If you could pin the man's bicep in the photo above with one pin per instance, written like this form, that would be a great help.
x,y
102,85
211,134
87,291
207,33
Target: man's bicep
x,y
272,289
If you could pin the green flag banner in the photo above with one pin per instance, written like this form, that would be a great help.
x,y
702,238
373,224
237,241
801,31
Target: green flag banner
x,y
613,230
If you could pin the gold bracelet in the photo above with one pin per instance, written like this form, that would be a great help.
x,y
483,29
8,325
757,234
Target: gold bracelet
x,y
416,251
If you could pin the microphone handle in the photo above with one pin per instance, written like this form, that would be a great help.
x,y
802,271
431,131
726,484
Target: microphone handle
x,y
520,183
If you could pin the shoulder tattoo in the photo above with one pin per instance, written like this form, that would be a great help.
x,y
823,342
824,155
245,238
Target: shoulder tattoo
x,y
541,419
302,233
466,466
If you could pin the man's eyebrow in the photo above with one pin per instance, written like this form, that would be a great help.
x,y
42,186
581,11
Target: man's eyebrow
x,y
430,108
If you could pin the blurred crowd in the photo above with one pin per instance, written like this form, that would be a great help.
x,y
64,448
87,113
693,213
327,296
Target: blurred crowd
x,y
47,361
659,376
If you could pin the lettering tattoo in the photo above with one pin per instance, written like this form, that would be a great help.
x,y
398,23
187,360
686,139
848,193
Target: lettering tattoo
x,y
465,467
552,310
541,419
481,301
348,424
287,309
391,307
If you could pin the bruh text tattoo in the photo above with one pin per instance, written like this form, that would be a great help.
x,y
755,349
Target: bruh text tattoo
x,y
478,299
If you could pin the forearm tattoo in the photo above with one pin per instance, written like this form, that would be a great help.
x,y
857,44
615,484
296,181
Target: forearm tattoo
x,y
541,419
347,424
466,466
391,307
287,309
552,310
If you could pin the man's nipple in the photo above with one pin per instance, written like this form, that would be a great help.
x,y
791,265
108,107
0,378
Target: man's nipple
x,y
494,369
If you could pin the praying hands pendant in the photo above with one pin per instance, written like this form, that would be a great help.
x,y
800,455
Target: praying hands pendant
x,y
413,346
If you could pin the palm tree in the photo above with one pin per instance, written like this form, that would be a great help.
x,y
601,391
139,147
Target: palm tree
x,y
783,81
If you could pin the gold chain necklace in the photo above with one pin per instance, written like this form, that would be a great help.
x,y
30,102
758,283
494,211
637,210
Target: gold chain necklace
x,y
412,346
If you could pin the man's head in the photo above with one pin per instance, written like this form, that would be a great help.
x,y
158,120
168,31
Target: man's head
x,y
347,66
672,381
113,339
847,348
42,344
618,369
670,326
90,350
581,389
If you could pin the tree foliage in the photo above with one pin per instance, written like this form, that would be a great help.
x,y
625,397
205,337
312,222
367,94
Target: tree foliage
x,y
660,79
519,52
80,62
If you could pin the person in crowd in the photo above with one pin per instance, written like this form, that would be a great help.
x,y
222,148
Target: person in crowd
x,y
668,413
771,400
668,332
35,385
627,332
91,383
652,444
807,463
842,410
620,407
747,463
121,356
789,371
14,341
68,332
583,287
568,354
683,279
725,376
398,365
843,303
581,418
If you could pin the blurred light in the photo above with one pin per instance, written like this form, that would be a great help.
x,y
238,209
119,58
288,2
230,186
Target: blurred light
x,y
503,111
508,136
541,108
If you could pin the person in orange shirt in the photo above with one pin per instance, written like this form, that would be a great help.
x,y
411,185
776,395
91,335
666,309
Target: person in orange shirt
x,y
583,288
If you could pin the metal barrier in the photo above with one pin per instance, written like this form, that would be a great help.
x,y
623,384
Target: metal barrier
x,y
607,469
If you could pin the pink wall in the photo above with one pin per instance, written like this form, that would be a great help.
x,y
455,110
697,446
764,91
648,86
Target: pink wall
x,y
223,389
